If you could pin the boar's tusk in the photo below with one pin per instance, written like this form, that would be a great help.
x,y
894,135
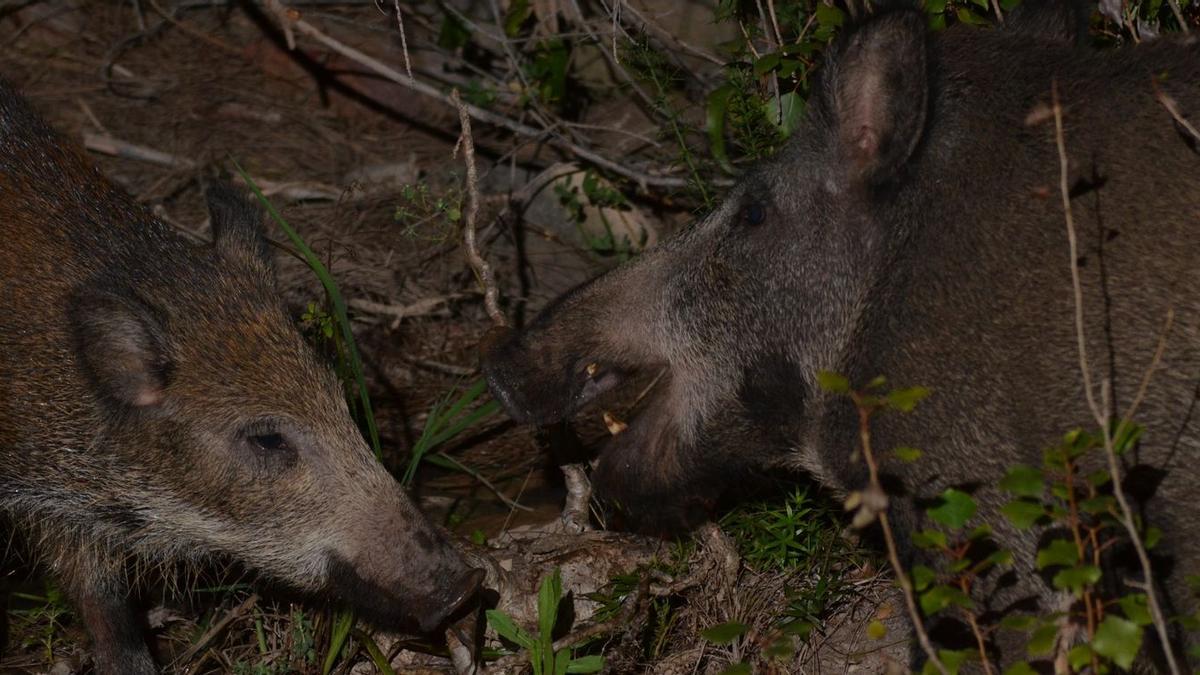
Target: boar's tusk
x,y
614,425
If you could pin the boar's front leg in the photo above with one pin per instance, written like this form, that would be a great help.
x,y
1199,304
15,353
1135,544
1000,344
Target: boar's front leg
x,y
97,584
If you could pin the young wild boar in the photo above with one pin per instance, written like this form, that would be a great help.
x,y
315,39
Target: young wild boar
x,y
158,406
914,229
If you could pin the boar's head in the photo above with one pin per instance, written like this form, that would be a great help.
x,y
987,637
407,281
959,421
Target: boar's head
x,y
227,435
741,311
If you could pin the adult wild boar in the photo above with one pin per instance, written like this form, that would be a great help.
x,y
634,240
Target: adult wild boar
x,y
158,406
913,228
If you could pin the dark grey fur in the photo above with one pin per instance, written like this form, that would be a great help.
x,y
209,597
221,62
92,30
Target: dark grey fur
x,y
914,229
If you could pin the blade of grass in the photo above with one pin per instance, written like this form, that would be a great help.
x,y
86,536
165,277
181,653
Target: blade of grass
x,y
377,655
339,307
343,621
445,421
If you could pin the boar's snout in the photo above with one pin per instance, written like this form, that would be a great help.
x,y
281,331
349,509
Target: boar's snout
x,y
456,596
542,385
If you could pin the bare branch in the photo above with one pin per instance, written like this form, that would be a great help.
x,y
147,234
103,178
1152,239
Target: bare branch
x,y
290,19
1100,410
483,271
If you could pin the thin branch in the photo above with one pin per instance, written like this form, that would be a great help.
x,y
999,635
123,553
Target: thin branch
x,y
483,271
290,19
1101,415
1183,26
1172,107
216,629
874,498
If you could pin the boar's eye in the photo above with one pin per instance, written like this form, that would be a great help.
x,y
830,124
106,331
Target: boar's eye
x,y
754,213
270,442
267,446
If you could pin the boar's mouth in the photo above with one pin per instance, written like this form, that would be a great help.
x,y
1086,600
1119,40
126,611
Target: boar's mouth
x,y
544,390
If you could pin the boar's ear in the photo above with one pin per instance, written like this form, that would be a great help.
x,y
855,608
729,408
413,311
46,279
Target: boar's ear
x,y
122,346
237,225
878,89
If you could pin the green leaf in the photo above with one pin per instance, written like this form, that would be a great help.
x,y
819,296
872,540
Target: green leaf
x,y
1126,436
905,400
1136,608
1075,578
979,532
1118,639
1079,656
953,659
507,629
876,630
922,577
1057,552
1098,478
927,539
833,382
786,112
453,34
766,63
1021,622
1023,481
1042,640
518,12
1098,505
738,669
906,454
714,126
1001,557
593,663
942,596
955,510
724,633
1152,537
1020,668
549,595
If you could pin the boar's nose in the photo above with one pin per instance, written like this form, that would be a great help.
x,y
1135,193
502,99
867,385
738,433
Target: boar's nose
x,y
504,370
458,596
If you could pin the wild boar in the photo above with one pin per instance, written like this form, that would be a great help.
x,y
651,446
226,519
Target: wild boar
x,y
158,406
913,228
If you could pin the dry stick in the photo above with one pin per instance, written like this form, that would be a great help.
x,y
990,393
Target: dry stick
x,y
403,40
216,629
1101,416
1178,15
483,271
864,432
290,19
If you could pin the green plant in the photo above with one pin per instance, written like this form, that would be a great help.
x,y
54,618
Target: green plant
x,y
600,196
428,217
542,656
41,617
448,418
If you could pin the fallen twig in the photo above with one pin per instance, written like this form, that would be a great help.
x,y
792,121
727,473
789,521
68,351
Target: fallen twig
x,y
215,629
579,498
290,19
115,147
